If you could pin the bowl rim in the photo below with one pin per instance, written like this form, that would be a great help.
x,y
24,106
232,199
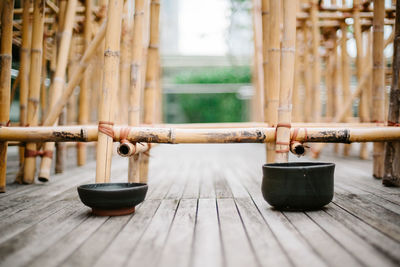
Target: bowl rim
x,y
298,164
88,188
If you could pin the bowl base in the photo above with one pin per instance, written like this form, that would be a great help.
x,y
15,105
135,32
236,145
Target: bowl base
x,y
113,212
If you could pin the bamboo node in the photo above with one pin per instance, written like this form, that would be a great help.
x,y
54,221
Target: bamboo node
x,y
36,50
33,153
33,100
138,13
110,53
59,79
153,46
288,49
274,49
5,56
106,127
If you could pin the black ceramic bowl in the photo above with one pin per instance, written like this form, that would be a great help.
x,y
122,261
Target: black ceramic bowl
x,y
112,198
298,185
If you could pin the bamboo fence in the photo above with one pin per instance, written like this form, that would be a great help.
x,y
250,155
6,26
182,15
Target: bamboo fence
x,y
104,67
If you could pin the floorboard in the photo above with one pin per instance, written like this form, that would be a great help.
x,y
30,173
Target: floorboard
x,y
204,207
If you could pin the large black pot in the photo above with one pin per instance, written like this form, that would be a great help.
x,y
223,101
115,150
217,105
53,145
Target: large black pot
x,y
298,185
111,199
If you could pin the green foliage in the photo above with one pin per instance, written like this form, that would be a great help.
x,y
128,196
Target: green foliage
x,y
198,108
212,107
216,75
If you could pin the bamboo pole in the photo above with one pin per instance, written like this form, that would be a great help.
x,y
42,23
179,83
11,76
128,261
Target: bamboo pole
x,y
5,81
287,66
34,85
76,77
345,75
110,85
152,76
265,19
138,67
123,94
84,85
392,149
152,70
24,76
316,68
258,77
43,89
307,74
297,98
363,106
378,83
273,70
59,81
199,136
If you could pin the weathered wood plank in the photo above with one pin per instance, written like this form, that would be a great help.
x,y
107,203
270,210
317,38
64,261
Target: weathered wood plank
x,y
178,247
88,252
236,247
267,248
117,253
207,247
23,247
332,253
151,244
364,252
382,219
377,239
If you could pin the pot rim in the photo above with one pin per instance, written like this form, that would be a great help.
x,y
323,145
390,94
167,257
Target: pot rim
x,y
102,187
299,164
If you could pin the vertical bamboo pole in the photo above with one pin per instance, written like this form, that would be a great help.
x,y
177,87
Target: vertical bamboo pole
x,y
345,75
265,18
152,73
273,70
297,101
62,118
58,82
138,67
5,80
34,84
110,85
392,149
43,89
363,107
316,67
24,76
84,90
378,83
258,77
308,94
152,65
123,94
287,67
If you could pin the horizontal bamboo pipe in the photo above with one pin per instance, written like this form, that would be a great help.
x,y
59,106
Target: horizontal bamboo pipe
x,y
262,124
199,136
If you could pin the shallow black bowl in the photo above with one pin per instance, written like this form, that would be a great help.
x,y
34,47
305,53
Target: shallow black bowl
x,y
298,185
112,198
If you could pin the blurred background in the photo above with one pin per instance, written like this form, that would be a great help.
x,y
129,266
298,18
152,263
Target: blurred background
x,y
206,54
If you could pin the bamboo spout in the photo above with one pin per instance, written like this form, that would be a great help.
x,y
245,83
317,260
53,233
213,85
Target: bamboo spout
x,y
128,149
297,148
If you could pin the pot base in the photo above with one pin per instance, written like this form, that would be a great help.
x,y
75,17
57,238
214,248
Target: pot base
x,y
113,212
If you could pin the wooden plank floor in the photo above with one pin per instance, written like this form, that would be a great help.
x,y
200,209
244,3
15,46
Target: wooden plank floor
x,y
204,208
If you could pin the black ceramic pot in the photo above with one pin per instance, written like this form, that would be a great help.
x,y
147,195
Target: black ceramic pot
x,y
298,185
111,199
